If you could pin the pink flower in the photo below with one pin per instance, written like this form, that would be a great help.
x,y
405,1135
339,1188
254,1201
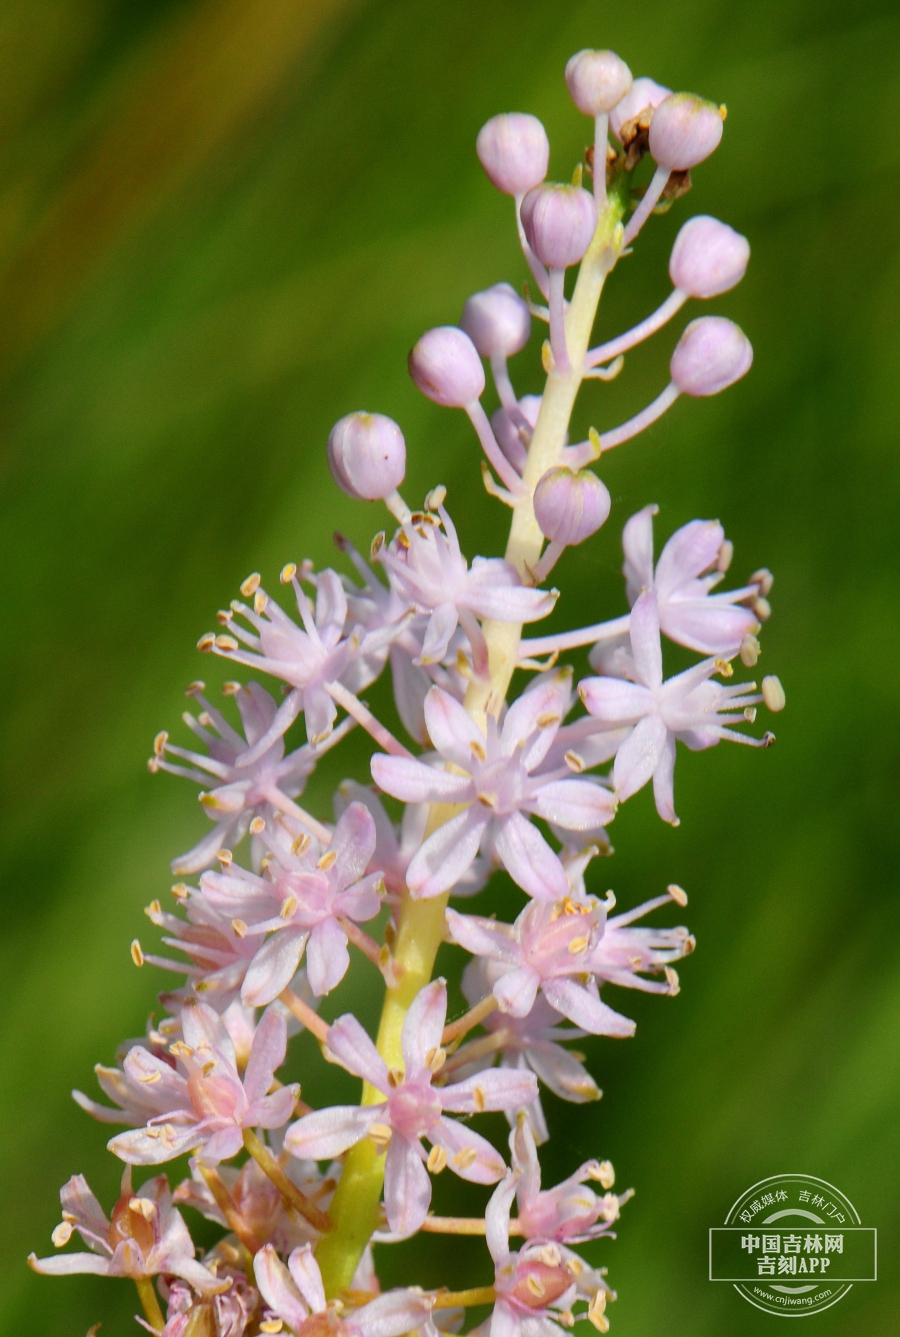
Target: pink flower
x,y
200,1103
548,948
308,659
295,1294
413,1108
532,1043
501,780
690,565
243,791
146,1236
428,571
219,957
570,1213
689,707
305,902
259,1202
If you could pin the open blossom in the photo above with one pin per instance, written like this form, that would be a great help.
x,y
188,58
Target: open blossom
x,y
413,1108
548,948
427,569
146,1236
571,1212
689,707
532,1043
501,781
243,791
533,1285
219,957
690,566
307,660
307,900
295,1294
200,1104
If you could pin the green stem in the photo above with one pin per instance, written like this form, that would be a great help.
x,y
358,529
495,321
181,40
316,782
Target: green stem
x,y
150,1304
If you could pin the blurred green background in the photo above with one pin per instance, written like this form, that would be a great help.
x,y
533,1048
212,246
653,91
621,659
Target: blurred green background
x,y
222,224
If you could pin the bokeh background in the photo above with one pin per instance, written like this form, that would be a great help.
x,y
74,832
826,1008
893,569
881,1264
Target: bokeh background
x,y
222,224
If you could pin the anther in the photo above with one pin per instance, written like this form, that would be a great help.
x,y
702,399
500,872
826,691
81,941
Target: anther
x,y
463,1158
603,1174
724,668
195,688
773,693
159,743
257,826
225,643
154,908
726,552
62,1234
137,955
180,891
536,1286
328,860
301,844
260,602
250,585
225,858
149,1078
764,579
575,762
437,1160
762,608
288,907
678,894
546,720
488,799
749,650
205,719
479,1098
231,688
239,928
672,981
206,642
288,572
478,751
436,497
380,1133
578,945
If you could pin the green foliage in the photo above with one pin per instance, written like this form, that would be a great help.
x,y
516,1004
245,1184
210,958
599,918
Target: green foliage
x,y
221,227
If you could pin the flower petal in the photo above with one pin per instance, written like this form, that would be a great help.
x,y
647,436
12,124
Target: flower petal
x,y
407,1187
414,782
614,701
352,1047
447,854
468,1155
327,957
326,1133
451,728
483,937
663,782
637,543
515,992
266,1053
639,756
585,1010
575,805
305,1271
278,1289
273,967
691,550
528,858
423,1026
505,1089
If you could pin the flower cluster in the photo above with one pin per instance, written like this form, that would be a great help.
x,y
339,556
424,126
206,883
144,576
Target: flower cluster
x,y
283,900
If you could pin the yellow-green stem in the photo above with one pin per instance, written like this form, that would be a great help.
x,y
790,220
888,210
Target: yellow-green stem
x,y
150,1304
354,1210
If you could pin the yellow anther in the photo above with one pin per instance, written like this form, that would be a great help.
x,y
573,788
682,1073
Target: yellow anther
x,y
724,669
180,891
602,1173
536,1286
206,642
773,693
288,907
328,860
288,572
195,688
574,762
477,750
149,1078
381,1134
226,643
250,585
548,719
301,844
479,1098
159,743
225,858
137,955
578,945
62,1234
239,928
678,894
463,1158
488,799
260,602
231,688
437,1160
257,826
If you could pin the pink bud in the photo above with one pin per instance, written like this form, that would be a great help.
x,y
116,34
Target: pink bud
x,y
367,456
685,129
446,367
712,354
597,80
708,257
514,151
644,94
497,321
559,222
570,507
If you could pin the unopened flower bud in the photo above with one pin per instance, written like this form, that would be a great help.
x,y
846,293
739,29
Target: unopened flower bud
x,y
570,507
514,151
497,321
446,367
773,693
643,95
559,222
708,257
685,129
712,354
597,81
367,456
